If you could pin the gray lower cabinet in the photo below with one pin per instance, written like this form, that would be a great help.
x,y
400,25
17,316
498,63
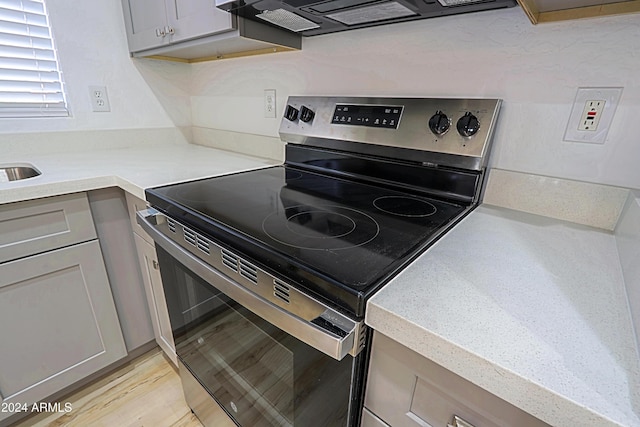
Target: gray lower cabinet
x,y
155,296
35,226
404,389
148,261
111,219
58,323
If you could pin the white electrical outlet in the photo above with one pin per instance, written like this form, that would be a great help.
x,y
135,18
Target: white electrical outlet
x,y
99,98
270,103
592,114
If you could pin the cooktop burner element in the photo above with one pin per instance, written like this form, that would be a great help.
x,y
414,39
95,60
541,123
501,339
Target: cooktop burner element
x,y
328,227
367,185
404,206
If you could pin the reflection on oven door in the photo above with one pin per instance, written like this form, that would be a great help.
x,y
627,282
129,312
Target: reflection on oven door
x,y
262,376
259,374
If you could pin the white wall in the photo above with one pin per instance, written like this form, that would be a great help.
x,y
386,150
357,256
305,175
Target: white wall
x,y
92,48
535,69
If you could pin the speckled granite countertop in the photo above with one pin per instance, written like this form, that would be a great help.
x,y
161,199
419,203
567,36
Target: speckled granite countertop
x,y
529,308
132,169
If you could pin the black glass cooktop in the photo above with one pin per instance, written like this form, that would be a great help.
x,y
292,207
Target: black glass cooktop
x,y
337,238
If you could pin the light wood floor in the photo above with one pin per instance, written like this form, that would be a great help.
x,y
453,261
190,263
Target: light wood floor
x,y
144,393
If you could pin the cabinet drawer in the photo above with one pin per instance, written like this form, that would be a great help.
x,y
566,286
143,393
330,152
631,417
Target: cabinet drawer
x,y
406,389
36,226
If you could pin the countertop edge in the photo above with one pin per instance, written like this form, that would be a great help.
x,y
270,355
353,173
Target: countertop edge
x,y
50,189
133,169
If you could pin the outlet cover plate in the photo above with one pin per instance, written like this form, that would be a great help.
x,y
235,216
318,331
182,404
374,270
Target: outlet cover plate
x,y
99,99
270,103
611,96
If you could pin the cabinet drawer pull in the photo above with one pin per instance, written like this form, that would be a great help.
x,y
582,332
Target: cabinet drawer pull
x,y
160,32
155,265
459,422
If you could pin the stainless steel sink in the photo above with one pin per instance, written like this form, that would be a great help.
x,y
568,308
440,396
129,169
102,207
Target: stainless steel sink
x,y
17,172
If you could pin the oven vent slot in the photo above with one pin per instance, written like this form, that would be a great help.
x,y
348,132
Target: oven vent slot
x,y
248,271
190,236
202,244
229,260
196,240
240,266
281,290
171,224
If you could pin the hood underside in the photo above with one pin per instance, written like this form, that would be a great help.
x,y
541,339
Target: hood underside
x,y
313,17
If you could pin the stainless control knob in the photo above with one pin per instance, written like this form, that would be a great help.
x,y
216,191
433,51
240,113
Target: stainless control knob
x,y
468,125
439,123
291,113
306,114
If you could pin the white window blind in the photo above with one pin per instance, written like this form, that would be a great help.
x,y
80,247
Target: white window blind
x,y
30,79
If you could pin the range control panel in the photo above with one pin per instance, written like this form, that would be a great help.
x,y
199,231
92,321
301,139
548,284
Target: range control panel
x,y
385,116
440,131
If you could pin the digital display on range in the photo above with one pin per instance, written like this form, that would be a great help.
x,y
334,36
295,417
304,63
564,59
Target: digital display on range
x,y
376,116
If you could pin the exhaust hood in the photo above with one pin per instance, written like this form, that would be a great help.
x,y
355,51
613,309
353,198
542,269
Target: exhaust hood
x,y
313,17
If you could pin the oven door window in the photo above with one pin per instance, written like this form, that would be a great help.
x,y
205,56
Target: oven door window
x,y
259,374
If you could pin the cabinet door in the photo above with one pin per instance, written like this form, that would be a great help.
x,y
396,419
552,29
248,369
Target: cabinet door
x,y
155,297
196,18
406,389
145,21
58,322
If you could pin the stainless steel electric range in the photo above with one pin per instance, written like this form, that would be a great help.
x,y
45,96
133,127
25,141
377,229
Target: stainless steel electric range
x,y
267,273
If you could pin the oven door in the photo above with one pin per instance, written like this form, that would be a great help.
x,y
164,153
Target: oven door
x,y
258,373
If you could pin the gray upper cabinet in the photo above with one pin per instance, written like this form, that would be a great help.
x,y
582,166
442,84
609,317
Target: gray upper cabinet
x,y
195,30
195,18
58,321
145,21
156,23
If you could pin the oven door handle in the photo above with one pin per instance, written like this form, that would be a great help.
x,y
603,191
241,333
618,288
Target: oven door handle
x,y
313,334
